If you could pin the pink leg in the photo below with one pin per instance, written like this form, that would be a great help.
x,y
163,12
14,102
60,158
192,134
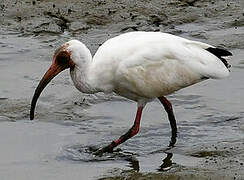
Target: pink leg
x,y
132,132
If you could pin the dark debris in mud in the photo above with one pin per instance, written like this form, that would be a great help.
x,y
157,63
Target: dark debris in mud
x,y
207,154
227,157
192,174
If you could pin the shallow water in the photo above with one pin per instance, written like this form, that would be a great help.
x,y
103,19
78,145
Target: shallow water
x,y
70,125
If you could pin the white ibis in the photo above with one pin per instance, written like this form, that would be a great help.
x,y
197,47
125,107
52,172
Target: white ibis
x,y
140,66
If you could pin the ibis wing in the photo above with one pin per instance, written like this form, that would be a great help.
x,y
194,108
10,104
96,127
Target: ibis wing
x,y
155,64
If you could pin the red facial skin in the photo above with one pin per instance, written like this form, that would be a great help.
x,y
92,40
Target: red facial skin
x,y
61,61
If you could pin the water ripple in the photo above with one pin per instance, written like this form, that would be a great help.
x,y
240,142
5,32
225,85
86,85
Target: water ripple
x,y
83,153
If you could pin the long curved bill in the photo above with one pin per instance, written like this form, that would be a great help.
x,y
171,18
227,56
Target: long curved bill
x,y
49,75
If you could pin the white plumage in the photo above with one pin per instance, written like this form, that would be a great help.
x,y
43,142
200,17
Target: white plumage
x,y
140,66
144,65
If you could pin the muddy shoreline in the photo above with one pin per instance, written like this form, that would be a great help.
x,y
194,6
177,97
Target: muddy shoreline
x,y
109,18
211,140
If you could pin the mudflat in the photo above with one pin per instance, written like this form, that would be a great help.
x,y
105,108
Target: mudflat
x,y
69,124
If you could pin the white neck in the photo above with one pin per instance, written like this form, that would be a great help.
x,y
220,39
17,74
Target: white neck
x,y
80,80
82,58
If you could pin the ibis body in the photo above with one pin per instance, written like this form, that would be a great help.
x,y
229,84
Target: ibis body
x,y
140,66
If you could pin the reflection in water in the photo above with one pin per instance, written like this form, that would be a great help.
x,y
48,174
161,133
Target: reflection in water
x,y
165,166
134,163
167,162
86,154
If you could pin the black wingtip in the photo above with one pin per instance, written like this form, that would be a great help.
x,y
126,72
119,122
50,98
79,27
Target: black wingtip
x,y
220,53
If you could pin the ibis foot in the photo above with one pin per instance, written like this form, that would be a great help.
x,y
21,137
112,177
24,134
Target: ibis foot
x,y
101,151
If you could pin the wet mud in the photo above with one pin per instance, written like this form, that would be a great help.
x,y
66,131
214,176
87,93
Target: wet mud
x,y
70,126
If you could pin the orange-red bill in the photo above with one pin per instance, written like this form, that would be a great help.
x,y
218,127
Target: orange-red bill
x,y
49,75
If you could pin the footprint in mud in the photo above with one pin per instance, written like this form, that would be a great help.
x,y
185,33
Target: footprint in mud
x,y
86,154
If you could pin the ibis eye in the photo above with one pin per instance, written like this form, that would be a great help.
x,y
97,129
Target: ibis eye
x,y
63,57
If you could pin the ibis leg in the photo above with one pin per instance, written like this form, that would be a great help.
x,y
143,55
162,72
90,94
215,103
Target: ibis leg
x,y
132,132
169,109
